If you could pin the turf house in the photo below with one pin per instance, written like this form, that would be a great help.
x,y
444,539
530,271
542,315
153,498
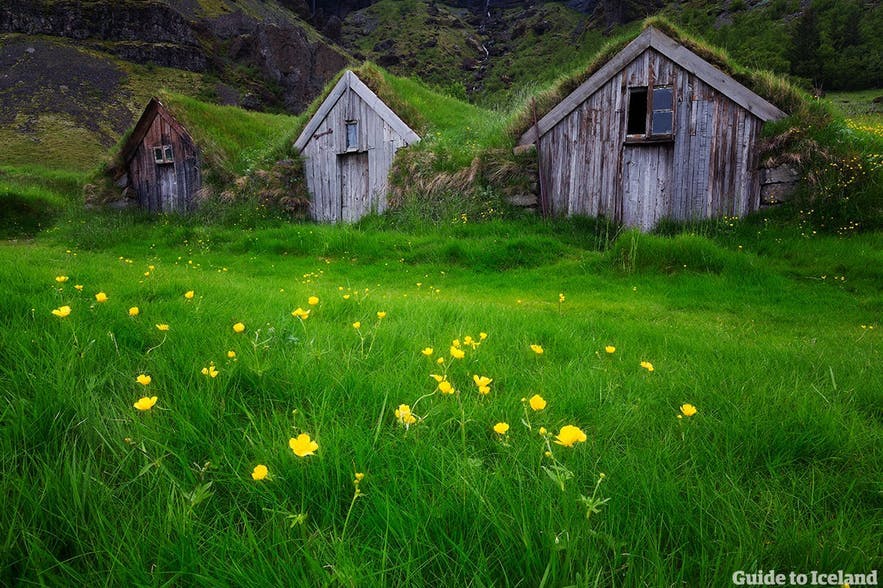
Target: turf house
x,y
161,162
656,132
348,147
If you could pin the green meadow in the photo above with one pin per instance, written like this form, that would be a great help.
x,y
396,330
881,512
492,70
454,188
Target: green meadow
x,y
770,332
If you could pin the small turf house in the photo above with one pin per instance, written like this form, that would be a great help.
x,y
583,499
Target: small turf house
x,y
348,147
656,132
161,162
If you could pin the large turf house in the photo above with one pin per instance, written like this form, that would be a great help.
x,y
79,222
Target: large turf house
x,y
348,147
656,132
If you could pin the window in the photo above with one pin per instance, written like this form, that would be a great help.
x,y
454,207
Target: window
x,y
163,154
662,115
637,112
352,135
650,114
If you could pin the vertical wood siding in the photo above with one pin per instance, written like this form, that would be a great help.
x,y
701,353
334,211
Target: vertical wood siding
x,y
347,186
165,187
709,169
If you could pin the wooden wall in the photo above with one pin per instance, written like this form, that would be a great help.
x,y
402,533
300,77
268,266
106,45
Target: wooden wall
x,y
709,169
167,187
346,186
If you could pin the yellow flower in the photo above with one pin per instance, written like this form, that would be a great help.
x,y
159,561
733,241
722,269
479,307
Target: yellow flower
x,y
359,477
162,327
610,349
188,294
647,366
437,377
259,472
457,353
568,435
300,313
538,349
79,287
303,445
238,328
61,279
231,354
537,402
688,410
346,296
101,297
143,379
482,336
381,315
445,387
481,380
403,414
145,403
543,431
440,360
501,428
210,371
427,351
560,297
62,311
134,311
484,390
313,300
357,325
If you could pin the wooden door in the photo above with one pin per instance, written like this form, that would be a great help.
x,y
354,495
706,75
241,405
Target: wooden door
x,y
167,187
646,184
353,186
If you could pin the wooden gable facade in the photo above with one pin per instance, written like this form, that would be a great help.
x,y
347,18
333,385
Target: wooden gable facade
x,y
348,147
162,162
657,132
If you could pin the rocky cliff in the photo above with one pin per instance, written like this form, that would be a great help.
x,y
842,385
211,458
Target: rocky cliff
x,y
261,62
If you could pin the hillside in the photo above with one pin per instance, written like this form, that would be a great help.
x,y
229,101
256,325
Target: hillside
x,y
491,53
256,54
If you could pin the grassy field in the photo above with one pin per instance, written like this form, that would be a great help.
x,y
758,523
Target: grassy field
x,y
772,334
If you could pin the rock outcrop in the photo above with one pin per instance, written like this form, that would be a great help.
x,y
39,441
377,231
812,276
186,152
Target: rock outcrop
x,y
272,63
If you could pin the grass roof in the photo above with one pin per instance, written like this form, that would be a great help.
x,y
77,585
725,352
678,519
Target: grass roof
x,y
768,85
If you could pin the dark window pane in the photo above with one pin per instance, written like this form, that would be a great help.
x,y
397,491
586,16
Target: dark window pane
x,y
637,123
662,122
169,156
157,154
352,135
662,98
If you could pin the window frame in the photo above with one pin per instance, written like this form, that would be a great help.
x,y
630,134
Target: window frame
x,y
354,146
649,136
166,152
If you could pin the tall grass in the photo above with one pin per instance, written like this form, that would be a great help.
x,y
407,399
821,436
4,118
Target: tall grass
x,y
778,469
